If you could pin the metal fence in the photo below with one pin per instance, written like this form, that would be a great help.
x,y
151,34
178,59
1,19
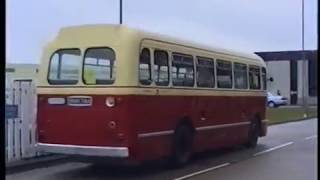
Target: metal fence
x,y
20,128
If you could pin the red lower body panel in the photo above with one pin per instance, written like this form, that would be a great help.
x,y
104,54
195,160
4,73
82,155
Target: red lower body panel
x,y
146,124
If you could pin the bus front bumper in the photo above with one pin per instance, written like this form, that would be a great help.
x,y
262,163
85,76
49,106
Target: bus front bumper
x,y
100,151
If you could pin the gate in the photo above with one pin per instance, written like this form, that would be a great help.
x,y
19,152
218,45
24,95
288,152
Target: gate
x,y
20,129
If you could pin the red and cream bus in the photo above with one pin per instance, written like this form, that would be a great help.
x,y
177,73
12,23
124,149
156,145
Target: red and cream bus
x,y
112,92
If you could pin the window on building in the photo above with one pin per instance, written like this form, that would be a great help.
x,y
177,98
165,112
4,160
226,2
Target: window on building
x,y
224,74
264,78
240,76
161,68
182,70
145,67
254,77
99,66
293,80
205,72
313,77
64,67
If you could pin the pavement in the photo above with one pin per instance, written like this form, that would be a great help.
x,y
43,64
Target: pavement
x,y
298,106
289,151
29,163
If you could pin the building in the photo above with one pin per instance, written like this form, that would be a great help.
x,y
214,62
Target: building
x,y
285,67
27,72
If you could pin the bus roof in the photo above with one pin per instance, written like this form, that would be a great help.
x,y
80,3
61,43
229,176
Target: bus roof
x,y
98,29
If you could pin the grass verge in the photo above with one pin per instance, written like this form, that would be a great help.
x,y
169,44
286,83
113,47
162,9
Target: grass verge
x,y
286,114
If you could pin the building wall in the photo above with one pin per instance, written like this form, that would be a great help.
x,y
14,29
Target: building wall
x,y
310,99
19,72
280,71
300,82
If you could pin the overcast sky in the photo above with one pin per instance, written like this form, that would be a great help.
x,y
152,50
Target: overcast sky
x,y
243,25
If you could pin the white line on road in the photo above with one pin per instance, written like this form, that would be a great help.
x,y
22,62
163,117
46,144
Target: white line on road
x,y
202,171
272,149
311,137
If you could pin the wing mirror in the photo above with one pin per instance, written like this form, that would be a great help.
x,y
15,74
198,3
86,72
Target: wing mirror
x,y
271,79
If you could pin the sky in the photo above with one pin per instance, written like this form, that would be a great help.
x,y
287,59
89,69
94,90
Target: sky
x,y
242,25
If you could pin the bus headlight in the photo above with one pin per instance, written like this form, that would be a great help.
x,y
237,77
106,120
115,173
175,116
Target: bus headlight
x,y
110,101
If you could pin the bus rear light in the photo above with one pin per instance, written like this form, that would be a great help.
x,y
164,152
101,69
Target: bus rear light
x,y
110,101
56,101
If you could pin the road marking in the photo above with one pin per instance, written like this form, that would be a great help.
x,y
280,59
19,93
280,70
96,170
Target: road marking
x,y
272,149
202,171
311,137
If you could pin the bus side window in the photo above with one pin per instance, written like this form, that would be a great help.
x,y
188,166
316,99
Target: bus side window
x,y
254,77
145,67
224,74
240,76
264,78
161,68
182,70
205,72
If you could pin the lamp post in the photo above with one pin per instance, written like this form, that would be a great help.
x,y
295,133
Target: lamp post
x,y
304,66
120,11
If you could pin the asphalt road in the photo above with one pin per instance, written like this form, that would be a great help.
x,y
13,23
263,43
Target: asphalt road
x,y
288,152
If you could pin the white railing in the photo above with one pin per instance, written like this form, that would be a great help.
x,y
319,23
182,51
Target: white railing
x,y
20,132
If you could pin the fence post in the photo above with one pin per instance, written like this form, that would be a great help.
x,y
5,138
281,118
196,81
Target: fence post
x,y
17,124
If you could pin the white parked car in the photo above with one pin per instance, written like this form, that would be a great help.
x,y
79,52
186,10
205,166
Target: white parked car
x,y
275,100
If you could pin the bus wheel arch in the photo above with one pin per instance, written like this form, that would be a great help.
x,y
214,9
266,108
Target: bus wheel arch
x,y
185,121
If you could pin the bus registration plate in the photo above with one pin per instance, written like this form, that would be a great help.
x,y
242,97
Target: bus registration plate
x,y
79,101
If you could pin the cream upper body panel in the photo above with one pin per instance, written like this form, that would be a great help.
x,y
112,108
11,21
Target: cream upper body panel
x,y
198,51
123,41
127,43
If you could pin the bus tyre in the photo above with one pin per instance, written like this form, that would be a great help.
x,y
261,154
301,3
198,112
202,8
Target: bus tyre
x,y
182,145
253,134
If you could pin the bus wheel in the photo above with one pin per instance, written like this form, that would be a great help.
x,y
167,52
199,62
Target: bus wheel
x,y
182,145
253,134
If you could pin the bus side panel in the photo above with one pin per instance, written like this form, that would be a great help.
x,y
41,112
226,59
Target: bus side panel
x,y
155,118
222,111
